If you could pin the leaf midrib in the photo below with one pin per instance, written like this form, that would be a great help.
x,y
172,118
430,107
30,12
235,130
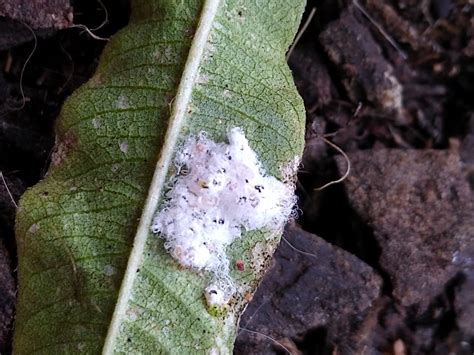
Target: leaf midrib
x,y
176,122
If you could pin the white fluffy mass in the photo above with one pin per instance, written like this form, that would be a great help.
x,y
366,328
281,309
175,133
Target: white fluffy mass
x,y
220,190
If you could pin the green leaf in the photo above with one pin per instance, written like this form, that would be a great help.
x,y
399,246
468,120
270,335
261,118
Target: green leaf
x,y
91,276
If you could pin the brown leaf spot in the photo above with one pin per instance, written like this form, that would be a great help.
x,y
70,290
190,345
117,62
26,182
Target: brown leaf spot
x,y
62,148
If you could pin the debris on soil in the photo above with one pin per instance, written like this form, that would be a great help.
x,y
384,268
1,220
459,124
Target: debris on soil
x,y
314,80
7,300
315,295
424,307
464,303
11,188
421,209
13,33
365,73
467,146
39,14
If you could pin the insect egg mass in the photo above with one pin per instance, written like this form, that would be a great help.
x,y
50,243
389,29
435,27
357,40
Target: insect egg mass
x,y
220,190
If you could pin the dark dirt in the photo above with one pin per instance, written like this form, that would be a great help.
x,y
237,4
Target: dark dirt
x,y
7,299
419,206
389,256
39,14
304,295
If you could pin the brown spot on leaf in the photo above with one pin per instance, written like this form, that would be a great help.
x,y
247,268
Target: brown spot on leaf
x,y
62,148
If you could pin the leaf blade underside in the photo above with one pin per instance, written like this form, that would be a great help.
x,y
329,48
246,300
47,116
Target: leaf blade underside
x,y
76,229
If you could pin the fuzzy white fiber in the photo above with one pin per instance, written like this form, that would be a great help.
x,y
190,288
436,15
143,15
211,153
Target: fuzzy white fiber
x,y
220,190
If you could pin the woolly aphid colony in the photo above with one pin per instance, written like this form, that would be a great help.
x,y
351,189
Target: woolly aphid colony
x,y
219,190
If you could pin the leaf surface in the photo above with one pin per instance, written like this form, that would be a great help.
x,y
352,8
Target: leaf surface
x,y
91,276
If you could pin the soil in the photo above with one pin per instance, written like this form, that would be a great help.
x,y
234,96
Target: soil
x,y
381,263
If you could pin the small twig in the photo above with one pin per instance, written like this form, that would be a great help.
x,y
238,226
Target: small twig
x,y
348,166
104,22
106,19
86,29
357,110
332,134
8,63
384,33
250,318
8,190
300,33
298,250
267,337
23,98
